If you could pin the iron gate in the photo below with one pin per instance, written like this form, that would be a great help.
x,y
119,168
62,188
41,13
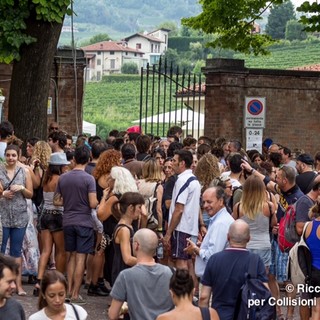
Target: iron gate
x,y
168,98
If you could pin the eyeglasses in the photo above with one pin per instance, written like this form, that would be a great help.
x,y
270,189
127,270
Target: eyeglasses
x,y
54,128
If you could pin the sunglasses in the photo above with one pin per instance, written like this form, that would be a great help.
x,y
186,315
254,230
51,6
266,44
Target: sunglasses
x,y
54,128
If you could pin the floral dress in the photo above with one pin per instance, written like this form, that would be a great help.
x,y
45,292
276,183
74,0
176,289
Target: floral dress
x,y
13,211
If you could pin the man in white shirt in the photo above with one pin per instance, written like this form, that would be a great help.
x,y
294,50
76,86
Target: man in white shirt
x,y
216,238
184,209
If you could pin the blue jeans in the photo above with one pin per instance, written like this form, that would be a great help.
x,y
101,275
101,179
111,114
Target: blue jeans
x,y
16,236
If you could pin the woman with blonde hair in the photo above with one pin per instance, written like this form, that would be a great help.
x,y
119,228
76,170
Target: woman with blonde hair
x,y
39,164
151,186
207,170
255,209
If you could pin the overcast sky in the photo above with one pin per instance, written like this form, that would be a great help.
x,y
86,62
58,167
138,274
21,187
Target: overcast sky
x,y
298,2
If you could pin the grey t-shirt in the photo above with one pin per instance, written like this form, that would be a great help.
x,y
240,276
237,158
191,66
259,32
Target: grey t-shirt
x,y
74,187
12,310
146,290
303,205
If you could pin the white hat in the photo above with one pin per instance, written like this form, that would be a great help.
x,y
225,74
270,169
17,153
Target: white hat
x,y
58,159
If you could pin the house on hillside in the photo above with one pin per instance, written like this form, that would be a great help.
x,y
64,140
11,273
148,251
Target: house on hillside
x,y
153,44
107,57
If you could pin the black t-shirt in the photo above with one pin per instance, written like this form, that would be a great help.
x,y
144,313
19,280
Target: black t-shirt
x,y
304,181
167,195
225,274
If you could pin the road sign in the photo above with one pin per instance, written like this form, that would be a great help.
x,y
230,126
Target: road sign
x,y
254,113
254,139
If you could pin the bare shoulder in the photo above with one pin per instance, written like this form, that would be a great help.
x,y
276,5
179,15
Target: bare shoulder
x,y
213,314
166,316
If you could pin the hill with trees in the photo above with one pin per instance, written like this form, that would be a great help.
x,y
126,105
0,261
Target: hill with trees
x,y
121,18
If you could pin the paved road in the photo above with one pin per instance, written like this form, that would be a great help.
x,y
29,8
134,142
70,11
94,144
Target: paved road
x,y
96,306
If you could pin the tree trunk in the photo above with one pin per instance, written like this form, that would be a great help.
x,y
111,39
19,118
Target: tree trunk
x,y
30,80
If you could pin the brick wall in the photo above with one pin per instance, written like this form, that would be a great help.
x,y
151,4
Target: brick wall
x,y
292,102
66,90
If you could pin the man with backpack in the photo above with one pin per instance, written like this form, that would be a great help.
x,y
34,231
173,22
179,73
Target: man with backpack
x,y
225,275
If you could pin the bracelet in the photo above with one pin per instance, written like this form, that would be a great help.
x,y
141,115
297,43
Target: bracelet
x,y
252,170
22,188
159,230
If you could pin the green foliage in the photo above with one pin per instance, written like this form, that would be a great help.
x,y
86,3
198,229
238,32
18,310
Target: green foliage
x,y
182,43
199,64
285,55
231,21
172,26
13,16
294,31
96,38
278,18
312,17
129,68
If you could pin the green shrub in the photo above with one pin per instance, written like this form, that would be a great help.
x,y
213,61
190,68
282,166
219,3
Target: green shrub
x,y
129,68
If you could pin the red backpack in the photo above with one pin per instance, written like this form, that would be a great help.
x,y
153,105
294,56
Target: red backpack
x,y
287,234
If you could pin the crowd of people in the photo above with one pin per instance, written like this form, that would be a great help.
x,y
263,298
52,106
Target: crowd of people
x,y
166,226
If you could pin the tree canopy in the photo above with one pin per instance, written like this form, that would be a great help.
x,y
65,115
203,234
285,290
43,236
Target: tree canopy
x,y
278,18
13,26
29,34
232,23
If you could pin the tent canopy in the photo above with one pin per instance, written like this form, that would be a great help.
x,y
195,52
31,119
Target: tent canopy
x,y
89,128
181,116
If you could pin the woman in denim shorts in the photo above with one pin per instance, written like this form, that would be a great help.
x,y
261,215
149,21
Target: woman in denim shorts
x,y
50,222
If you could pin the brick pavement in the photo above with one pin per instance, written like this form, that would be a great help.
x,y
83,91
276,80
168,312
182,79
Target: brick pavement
x,y
96,306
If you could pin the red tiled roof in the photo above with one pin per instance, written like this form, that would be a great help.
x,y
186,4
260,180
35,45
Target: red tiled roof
x,y
197,89
313,67
109,46
151,38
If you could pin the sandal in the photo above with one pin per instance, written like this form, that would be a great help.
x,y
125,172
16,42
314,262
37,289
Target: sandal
x,y
36,289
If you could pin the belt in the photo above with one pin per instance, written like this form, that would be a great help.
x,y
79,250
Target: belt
x,y
46,211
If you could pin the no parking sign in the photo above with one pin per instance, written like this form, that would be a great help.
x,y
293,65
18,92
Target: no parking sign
x,y
254,113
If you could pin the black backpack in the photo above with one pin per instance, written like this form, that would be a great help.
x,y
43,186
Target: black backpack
x,y
254,290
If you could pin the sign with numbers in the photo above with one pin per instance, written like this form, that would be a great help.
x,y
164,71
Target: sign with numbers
x,y
254,139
